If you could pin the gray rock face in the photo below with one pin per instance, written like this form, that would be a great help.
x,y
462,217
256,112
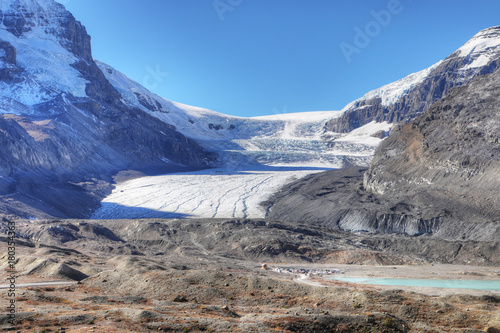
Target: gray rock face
x,y
438,175
336,199
451,153
8,70
456,70
8,55
58,155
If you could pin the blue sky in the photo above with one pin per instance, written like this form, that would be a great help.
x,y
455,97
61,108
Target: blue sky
x,y
258,57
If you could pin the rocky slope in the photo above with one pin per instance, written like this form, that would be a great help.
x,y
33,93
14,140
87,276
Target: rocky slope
x,y
256,240
405,99
438,175
64,128
449,158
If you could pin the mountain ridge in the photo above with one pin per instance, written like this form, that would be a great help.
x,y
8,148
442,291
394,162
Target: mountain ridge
x,y
478,56
281,139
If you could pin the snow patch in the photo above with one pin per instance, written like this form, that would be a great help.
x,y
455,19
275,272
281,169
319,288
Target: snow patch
x,y
365,134
482,41
391,93
311,116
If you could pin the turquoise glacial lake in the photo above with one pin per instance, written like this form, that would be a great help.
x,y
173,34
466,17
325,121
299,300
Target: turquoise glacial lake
x,y
436,283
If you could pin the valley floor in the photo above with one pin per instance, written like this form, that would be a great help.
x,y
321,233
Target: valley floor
x,y
205,275
140,295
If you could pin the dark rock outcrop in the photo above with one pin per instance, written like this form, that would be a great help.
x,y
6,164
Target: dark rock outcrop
x,y
336,199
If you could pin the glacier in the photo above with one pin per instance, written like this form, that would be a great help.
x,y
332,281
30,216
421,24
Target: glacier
x,y
286,139
257,157
215,193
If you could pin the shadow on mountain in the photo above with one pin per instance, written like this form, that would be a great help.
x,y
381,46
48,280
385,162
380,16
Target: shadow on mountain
x,y
250,169
42,198
114,211
292,168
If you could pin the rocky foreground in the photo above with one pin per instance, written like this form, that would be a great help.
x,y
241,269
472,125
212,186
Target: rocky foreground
x,y
205,275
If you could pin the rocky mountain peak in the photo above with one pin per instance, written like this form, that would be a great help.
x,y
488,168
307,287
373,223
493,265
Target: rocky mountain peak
x,y
20,17
407,98
480,49
47,20
491,34
437,175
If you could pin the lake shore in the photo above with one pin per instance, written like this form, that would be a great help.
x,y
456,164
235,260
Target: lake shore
x,y
440,271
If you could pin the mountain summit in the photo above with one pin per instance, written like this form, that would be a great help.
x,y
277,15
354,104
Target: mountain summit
x,y
46,53
480,50
407,98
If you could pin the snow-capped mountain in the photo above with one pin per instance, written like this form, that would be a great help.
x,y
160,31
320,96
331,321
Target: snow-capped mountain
x,y
479,51
392,92
63,128
36,41
437,175
68,122
407,98
319,138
